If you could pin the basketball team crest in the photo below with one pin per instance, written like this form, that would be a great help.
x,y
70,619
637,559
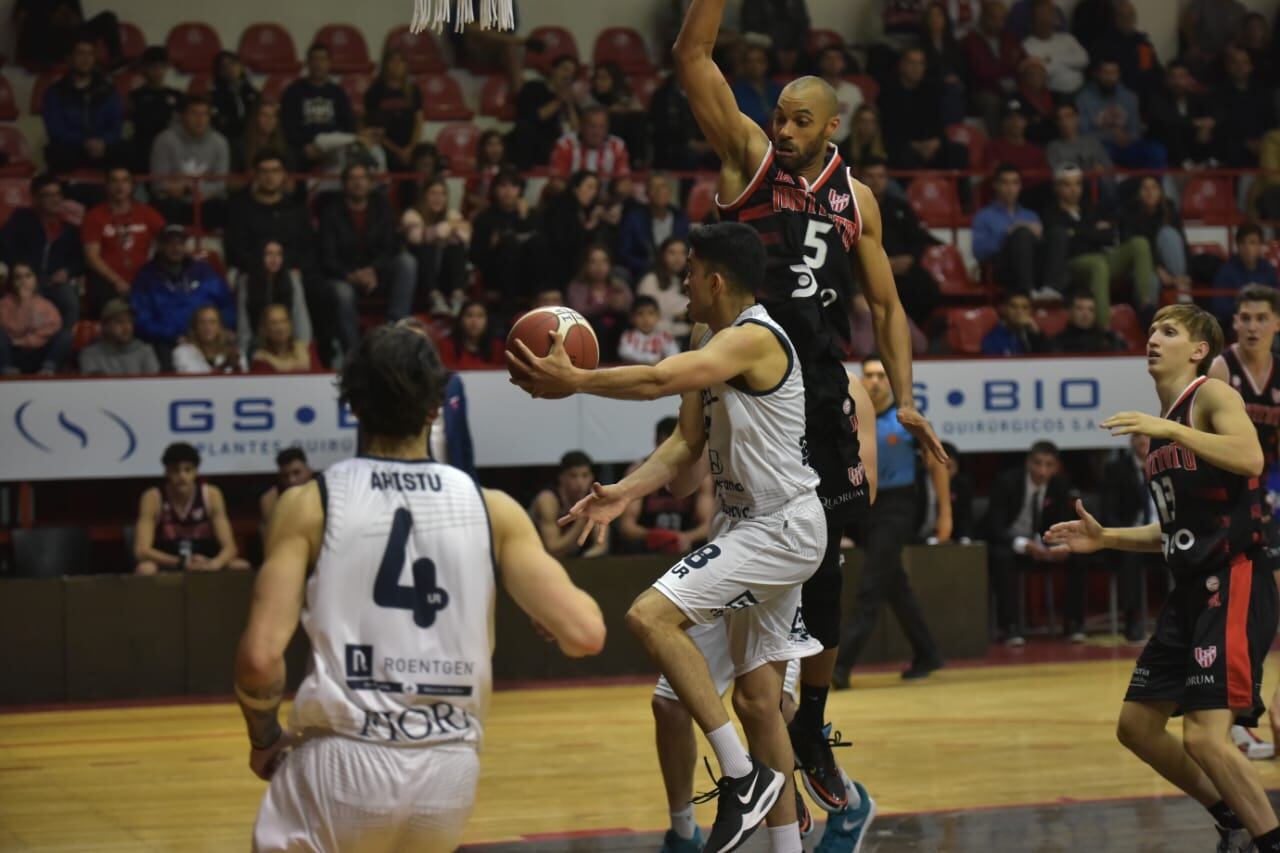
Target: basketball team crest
x,y
839,201
1205,656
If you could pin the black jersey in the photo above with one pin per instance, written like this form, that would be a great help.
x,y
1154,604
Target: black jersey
x,y
1262,402
664,510
1207,515
808,232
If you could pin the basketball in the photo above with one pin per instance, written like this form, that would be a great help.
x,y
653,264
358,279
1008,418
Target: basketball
x,y
579,338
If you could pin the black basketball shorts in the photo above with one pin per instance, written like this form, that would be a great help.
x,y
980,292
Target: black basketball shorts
x,y
1211,638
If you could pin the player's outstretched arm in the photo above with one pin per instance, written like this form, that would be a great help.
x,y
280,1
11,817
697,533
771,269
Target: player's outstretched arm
x,y
889,320
1085,535
538,583
737,140
1229,442
293,541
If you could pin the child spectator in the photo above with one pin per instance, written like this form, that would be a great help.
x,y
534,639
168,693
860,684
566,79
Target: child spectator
x,y
472,346
644,342
32,339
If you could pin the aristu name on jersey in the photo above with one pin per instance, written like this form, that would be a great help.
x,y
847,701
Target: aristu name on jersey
x,y
404,481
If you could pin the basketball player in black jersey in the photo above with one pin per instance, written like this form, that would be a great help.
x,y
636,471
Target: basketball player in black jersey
x,y
1248,367
819,227
1205,659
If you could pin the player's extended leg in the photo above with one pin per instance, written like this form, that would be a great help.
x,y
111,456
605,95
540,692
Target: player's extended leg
x,y
677,750
1204,735
757,698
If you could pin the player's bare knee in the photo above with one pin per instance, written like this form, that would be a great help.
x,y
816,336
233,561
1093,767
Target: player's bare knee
x,y
755,707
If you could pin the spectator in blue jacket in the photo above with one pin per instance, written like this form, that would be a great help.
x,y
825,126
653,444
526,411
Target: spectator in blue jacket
x,y
1247,266
39,237
644,229
1017,332
1008,235
168,290
754,91
83,116
315,105
1109,109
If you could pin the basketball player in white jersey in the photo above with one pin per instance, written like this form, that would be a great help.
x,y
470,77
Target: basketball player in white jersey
x,y
742,417
392,560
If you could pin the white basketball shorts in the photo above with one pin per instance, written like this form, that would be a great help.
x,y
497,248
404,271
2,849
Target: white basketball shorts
x,y
336,794
749,574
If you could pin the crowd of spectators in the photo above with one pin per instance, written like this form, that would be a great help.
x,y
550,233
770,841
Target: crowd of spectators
x,y
1060,109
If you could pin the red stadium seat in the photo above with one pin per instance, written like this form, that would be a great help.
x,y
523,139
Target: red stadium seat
x,y
126,81
625,47
273,87
346,47
867,85
84,333
935,202
8,106
442,99
1051,320
355,86
13,195
644,85
42,84
421,50
15,146
192,47
268,49
200,84
495,98
701,201
966,327
557,42
1209,200
973,138
947,267
457,143
819,40
132,41
1124,322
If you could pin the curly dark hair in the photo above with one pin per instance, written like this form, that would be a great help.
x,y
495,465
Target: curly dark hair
x,y
393,381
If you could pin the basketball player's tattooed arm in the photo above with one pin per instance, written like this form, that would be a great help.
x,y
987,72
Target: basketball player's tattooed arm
x,y
539,584
293,541
145,533
1085,535
739,142
893,337
1223,434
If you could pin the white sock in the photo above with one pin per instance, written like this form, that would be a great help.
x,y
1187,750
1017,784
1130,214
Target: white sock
x,y
683,824
730,753
786,839
855,799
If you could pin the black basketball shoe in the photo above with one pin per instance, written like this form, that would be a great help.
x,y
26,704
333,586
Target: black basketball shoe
x,y
821,776
743,803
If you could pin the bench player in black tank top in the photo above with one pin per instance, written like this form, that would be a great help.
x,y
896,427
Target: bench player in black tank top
x,y
661,522
1248,367
1205,659
816,223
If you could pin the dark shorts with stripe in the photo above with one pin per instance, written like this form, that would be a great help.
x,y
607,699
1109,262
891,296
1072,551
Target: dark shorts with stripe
x,y
1211,638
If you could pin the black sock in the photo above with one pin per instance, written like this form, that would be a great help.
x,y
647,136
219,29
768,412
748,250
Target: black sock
x,y
813,707
1225,817
1268,842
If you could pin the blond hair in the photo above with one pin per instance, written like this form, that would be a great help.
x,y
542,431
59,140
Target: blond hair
x,y
1200,326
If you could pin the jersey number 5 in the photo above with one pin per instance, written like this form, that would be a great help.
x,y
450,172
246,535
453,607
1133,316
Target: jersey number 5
x,y
424,598
813,239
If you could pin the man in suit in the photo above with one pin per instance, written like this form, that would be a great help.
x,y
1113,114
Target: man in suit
x,y
1025,501
1126,502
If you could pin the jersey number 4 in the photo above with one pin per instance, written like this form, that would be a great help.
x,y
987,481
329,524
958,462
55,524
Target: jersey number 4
x,y
424,598
807,271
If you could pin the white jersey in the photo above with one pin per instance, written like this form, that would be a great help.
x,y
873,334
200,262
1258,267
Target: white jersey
x,y
756,438
399,608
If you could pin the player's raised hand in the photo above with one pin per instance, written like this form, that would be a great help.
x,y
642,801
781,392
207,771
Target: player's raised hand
x,y
600,507
916,424
551,375
1083,536
1130,423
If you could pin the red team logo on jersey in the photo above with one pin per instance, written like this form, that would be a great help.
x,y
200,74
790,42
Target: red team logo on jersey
x,y
839,201
1206,656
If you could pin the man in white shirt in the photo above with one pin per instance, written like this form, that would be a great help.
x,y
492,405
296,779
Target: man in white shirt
x,y
1064,57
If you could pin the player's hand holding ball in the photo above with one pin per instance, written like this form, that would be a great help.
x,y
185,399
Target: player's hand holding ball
x,y
546,350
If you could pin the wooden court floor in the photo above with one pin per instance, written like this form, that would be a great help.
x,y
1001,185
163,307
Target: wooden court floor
x,y
576,760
